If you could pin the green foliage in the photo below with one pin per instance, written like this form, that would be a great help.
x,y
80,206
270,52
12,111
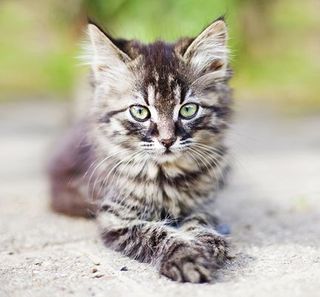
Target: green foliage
x,y
149,20
35,58
273,43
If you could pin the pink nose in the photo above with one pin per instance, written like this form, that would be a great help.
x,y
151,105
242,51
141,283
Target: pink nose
x,y
168,142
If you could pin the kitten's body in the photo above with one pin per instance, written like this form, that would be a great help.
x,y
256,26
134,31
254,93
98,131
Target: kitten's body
x,y
148,180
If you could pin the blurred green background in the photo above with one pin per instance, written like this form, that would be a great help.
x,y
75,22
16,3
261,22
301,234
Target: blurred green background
x,y
275,44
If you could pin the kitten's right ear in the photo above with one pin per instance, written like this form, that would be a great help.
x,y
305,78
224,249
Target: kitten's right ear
x,y
104,57
208,53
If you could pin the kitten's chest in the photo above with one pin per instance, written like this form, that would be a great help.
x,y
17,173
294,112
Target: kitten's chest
x,y
156,191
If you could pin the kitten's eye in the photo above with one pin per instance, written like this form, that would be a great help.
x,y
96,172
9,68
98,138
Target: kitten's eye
x,y
139,113
188,111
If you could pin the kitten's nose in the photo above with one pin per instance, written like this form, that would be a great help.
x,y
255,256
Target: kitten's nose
x,y
168,142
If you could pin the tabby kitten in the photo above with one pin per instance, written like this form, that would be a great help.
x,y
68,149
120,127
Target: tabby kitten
x,y
151,152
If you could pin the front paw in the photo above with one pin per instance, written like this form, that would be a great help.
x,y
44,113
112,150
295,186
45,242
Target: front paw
x,y
187,263
215,245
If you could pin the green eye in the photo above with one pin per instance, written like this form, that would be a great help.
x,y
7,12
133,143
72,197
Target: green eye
x,y
139,113
188,111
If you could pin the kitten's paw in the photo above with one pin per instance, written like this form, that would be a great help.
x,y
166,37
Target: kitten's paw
x,y
185,263
216,246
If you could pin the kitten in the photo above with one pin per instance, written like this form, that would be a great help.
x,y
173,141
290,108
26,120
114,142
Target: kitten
x,y
150,154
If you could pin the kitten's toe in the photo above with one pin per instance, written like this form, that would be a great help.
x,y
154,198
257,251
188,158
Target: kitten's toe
x,y
197,273
216,246
187,265
186,271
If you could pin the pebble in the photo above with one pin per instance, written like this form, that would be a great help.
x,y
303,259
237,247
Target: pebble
x,y
98,275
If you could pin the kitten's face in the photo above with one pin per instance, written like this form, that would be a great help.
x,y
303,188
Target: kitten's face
x,y
163,100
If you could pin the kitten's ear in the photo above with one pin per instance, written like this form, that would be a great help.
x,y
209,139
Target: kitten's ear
x,y
208,52
103,55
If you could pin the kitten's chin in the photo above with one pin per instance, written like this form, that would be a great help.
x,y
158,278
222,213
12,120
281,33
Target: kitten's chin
x,y
166,156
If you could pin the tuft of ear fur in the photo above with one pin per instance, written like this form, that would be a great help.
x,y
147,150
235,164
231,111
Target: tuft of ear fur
x,y
104,57
208,53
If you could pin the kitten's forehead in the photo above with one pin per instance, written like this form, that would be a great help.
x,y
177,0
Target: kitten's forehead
x,y
165,80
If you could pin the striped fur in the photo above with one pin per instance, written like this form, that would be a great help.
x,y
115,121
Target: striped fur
x,y
150,180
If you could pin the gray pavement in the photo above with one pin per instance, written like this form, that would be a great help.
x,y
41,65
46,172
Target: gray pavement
x,y
272,205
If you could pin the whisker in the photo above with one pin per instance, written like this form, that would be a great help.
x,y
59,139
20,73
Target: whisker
x,y
105,180
91,193
209,164
220,154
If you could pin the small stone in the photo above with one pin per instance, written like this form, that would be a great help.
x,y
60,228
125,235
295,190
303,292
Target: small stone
x,y
98,275
124,268
94,270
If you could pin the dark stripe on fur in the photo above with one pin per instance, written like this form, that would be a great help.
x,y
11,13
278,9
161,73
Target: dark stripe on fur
x,y
106,118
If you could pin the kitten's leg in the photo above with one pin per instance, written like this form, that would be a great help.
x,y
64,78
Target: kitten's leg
x,y
177,254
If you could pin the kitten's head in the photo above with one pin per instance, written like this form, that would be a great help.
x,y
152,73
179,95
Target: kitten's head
x,y
160,99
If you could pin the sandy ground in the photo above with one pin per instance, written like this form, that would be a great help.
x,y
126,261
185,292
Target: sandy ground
x,y
272,205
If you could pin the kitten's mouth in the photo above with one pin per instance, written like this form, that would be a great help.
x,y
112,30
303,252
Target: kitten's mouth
x,y
168,152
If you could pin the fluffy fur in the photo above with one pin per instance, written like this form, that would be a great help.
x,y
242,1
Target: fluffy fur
x,y
148,181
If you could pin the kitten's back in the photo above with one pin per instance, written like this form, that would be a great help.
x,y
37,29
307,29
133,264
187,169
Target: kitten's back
x,y
67,170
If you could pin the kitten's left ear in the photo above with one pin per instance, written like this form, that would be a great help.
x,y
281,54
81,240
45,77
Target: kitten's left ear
x,y
208,52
